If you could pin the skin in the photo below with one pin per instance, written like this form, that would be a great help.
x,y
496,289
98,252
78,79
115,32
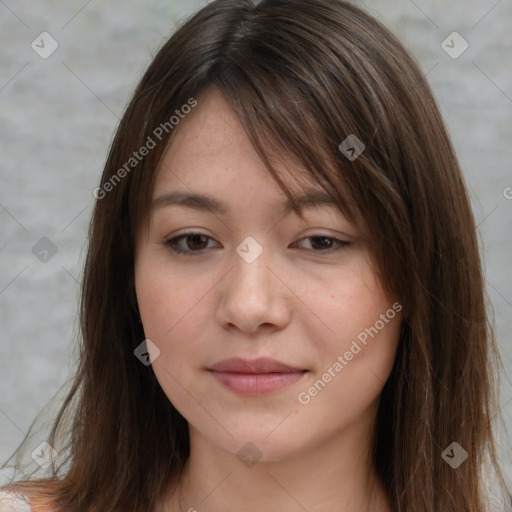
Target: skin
x,y
298,302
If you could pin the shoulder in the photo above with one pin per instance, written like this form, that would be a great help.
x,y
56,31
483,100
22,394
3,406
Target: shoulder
x,y
13,502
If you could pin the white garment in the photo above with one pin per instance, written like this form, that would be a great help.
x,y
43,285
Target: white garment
x,y
10,502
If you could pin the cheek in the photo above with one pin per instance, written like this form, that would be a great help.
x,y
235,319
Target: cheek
x,y
361,335
165,297
169,306
175,310
346,304
355,365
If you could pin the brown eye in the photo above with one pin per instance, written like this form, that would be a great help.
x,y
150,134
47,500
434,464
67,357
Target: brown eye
x,y
323,242
194,243
326,243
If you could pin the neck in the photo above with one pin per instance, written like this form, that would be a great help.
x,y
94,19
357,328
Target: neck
x,y
335,474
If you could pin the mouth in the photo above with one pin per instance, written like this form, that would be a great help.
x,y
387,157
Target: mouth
x,y
255,377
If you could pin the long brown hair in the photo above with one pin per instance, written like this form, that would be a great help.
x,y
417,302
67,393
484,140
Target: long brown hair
x,y
302,76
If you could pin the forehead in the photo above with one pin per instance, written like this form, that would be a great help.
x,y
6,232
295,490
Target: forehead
x,y
211,127
210,163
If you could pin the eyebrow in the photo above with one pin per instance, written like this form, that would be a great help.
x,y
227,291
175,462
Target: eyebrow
x,y
310,199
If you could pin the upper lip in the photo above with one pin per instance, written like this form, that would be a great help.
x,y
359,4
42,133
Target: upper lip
x,y
260,365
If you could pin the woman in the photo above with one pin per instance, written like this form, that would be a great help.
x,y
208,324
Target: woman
x,y
326,346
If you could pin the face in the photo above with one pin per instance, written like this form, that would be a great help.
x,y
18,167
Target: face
x,y
253,281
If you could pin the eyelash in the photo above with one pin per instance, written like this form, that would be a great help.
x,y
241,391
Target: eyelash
x,y
172,243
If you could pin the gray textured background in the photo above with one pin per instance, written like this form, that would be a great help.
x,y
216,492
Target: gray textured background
x,y
58,115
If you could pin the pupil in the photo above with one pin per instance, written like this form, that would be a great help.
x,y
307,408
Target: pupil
x,y
195,240
322,238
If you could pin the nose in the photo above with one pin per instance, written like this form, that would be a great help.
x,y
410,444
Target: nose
x,y
254,295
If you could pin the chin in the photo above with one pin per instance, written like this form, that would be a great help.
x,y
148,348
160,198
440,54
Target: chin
x,y
262,444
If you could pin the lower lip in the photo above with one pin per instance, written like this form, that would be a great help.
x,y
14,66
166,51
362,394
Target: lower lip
x,y
254,384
